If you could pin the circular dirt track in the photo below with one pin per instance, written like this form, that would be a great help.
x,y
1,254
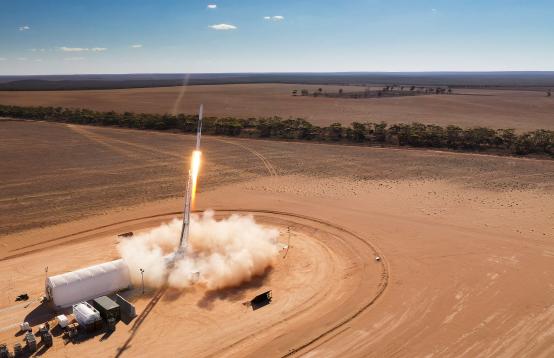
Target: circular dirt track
x,y
326,278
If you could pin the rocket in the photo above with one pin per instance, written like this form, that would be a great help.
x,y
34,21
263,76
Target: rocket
x,y
199,127
183,241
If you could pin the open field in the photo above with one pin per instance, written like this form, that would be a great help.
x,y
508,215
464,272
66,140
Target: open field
x,y
467,243
519,109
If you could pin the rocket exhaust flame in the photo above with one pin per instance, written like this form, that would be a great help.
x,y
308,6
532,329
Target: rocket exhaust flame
x,y
194,170
190,194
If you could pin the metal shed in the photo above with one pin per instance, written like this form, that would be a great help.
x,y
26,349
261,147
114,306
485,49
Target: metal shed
x,y
107,307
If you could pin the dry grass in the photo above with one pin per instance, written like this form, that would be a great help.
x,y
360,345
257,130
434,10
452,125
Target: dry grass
x,y
53,173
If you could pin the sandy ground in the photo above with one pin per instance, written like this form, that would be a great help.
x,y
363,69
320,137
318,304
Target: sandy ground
x,y
466,241
522,110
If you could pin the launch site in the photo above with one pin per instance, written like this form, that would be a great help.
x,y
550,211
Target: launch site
x,y
276,179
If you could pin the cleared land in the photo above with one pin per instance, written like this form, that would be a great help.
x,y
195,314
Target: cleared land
x,y
466,240
522,110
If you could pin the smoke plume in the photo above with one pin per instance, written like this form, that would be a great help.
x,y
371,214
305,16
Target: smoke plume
x,y
222,253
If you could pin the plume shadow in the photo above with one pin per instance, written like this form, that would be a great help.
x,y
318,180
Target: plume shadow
x,y
233,294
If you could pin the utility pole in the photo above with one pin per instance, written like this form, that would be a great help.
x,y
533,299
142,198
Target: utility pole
x,y
142,277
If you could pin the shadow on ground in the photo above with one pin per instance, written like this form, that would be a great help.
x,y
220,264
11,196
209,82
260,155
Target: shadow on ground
x,y
233,294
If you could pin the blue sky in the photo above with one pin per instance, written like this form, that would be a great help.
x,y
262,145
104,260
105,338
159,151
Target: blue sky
x,y
63,37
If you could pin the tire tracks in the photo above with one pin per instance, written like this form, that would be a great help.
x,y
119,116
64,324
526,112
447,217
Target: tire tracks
x,y
270,168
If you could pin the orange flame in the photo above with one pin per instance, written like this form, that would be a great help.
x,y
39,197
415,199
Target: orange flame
x,y
195,168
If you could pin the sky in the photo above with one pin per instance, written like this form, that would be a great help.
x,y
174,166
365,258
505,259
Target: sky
x,y
194,36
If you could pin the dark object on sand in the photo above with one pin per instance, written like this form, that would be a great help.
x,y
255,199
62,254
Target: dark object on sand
x,y
4,353
261,300
22,297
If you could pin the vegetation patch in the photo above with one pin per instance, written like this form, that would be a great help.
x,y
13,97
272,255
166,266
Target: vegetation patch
x,y
501,141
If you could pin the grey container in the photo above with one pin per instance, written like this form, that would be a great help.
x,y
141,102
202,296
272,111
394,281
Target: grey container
x,y
107,308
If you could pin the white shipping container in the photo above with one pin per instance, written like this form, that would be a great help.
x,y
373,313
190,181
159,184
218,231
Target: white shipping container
x,y
85,314
72,287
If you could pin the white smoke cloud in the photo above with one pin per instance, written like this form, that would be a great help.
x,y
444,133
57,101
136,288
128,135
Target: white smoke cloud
x,y
221,254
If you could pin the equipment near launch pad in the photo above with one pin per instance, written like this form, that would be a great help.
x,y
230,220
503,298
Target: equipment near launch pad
x,y
63,321
17,350
127,308
69,288
261,300
31,342
107,308
87,316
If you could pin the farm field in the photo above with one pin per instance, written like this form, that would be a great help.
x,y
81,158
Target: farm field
x,y
466,265
519,109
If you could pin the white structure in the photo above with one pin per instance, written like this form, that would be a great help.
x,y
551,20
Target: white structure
x,y
72,287
85,314
62,320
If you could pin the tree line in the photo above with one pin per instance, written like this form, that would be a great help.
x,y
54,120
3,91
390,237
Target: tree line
x,y
387,91
501,141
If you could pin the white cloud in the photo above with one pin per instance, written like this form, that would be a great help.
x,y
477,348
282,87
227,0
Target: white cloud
x,y
212,6
434,11
38,60
136,46
223,27
24,28
274,18
82,49
22,58
73,49
74,58
3,59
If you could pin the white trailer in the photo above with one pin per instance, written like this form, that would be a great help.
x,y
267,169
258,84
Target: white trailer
x,y
72,287
87,316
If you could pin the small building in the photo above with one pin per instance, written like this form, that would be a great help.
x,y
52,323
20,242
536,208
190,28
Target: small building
x,y
87,316
107,308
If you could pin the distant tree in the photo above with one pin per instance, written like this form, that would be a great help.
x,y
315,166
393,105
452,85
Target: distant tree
x,y
549,93
294,92
320,90
358,131
335,131
412,88
449,90
340,91
304,92
507,137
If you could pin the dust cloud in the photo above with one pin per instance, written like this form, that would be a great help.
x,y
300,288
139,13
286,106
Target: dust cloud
x,y
221,253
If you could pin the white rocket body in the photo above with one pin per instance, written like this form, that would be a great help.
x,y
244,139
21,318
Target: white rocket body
x,y
183,242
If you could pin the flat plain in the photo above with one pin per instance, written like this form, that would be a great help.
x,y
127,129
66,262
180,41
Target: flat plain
x,y
496,108
465,241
